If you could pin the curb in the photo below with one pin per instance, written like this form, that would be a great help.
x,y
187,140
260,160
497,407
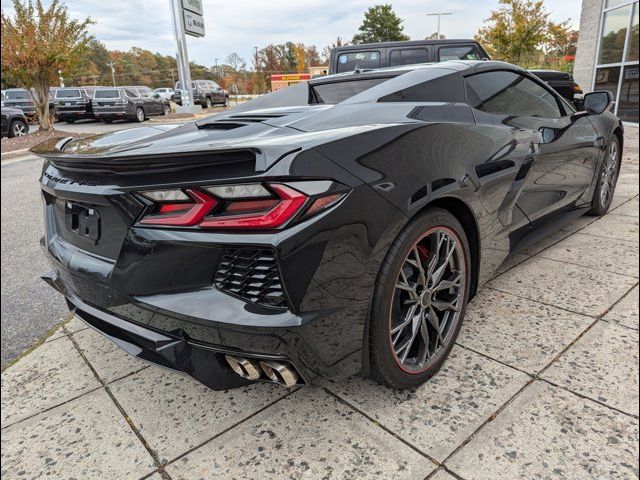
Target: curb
x,y
14,154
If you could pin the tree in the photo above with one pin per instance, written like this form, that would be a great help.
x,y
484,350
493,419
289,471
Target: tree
x,y
36,43
517,29
236,62
562,40
380,24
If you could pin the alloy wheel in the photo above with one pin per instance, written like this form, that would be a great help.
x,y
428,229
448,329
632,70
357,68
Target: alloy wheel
x,y
140,115
427,299
609,174
19,129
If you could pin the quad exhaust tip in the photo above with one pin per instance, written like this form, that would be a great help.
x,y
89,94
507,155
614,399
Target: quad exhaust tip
x,y
250,369
279,373
244,367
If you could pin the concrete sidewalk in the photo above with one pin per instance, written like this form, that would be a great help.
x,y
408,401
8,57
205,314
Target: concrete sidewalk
x,y
542,384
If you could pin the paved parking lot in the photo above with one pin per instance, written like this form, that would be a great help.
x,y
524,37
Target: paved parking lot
x,y
542,384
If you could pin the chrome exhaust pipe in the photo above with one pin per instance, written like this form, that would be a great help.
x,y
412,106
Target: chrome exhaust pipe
x,y
279,372
249,369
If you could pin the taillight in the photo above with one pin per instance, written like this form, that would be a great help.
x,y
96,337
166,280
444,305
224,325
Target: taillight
x,y
180,209
241,206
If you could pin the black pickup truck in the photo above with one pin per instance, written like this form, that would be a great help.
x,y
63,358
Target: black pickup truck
x,y
392,54
561,82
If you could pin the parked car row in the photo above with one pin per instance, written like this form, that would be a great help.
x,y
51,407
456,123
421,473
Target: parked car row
x,y
68,104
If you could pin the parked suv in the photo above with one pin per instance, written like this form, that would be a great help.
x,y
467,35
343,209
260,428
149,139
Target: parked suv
x,y
391,54
149,95
19,98
165,93
125,103
73,103
205,92
14,122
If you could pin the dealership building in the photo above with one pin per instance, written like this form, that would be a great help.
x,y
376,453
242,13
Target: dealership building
x,y
607,56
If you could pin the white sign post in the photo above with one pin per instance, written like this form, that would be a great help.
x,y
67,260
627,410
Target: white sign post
x,y
187,19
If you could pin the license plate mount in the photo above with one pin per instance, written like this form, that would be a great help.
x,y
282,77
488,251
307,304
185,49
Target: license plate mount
x,y
82,220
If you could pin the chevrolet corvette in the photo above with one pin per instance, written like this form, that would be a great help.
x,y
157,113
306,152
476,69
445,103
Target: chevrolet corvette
x,y
335,227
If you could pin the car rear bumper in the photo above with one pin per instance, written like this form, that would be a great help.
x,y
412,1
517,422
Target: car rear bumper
x,y
175,350
197,345
73,114
111,114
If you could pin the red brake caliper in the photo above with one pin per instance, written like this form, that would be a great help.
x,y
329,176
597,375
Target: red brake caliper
x,y
423,252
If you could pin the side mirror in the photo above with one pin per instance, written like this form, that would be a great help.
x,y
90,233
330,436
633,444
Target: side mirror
x,y
595,103
156,95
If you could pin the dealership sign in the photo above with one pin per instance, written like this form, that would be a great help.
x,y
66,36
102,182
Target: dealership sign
x,y
192,14
194,6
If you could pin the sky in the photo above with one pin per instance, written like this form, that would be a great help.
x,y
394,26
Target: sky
x,y
239,26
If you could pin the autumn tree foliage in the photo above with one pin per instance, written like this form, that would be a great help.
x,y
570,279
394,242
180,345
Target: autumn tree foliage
x,y
37,43
520,30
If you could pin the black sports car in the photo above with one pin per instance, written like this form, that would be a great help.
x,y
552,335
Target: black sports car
x,y
333,227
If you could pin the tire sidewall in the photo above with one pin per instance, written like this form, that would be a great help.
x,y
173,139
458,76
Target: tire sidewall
x,y
597,208
384,366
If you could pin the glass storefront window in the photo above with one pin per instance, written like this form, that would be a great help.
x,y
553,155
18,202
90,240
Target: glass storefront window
x,y
607,78
632,53
628,104
614,34
613,3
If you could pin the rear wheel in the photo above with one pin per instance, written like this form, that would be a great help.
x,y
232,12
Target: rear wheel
x,y
419,301
140,114
18,128
607,179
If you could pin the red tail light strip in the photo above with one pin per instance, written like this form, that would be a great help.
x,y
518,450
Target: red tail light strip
x,y
203,205
291,201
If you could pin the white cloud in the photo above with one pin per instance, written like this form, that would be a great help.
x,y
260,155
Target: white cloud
x,y
239,26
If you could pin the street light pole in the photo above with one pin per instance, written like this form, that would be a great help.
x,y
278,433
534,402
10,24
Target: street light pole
x,y
113,73
184,74
439,14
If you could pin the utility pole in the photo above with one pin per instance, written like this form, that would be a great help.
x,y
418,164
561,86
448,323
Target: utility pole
x,y
184,74
113,73
439,14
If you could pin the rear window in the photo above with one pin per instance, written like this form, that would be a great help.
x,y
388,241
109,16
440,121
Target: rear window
x,y
16,95
348,62
107,94
179,85
337,92
68,93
